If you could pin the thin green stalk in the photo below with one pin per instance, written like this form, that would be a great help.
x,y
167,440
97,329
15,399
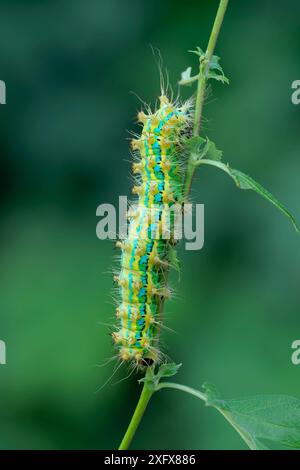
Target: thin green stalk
x,y
182,388
147,392
203,69
148,389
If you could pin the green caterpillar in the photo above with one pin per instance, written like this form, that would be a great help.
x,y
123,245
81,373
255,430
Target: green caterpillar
x,y
144,254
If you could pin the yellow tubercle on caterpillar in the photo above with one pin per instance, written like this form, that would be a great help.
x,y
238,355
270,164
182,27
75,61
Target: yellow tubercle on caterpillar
x,y
149,139
164,142
168,197
152,356
134,297
151,190
132,213
123,246
136,144
123,336
182,119
121,281
139,251
163,292
137,284
137,190
163,99
117,337
149,320
158,262
153,187
145,343
125,354
151,162
121,312
166,165
142,117
137,168
137,356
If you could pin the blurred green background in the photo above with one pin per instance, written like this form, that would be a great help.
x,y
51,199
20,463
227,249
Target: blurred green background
x,y
69,67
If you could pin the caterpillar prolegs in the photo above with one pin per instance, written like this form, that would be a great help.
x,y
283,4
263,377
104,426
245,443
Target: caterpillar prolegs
x,y
145,252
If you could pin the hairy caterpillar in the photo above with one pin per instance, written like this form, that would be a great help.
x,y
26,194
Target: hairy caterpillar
x,y
144,254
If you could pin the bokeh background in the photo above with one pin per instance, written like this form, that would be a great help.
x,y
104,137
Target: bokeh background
x,y
69,67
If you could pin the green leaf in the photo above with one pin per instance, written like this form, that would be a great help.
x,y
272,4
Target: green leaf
x,y
209,69
244,181
200,148
165,370
186,74
199,52
216,71
219,77
194,144
187,78
210,391
213,153
262,418
215,64
271,418
168,370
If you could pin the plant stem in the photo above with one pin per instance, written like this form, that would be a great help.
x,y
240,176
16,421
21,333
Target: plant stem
x,y
203,69
147,392
148,388
182,388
